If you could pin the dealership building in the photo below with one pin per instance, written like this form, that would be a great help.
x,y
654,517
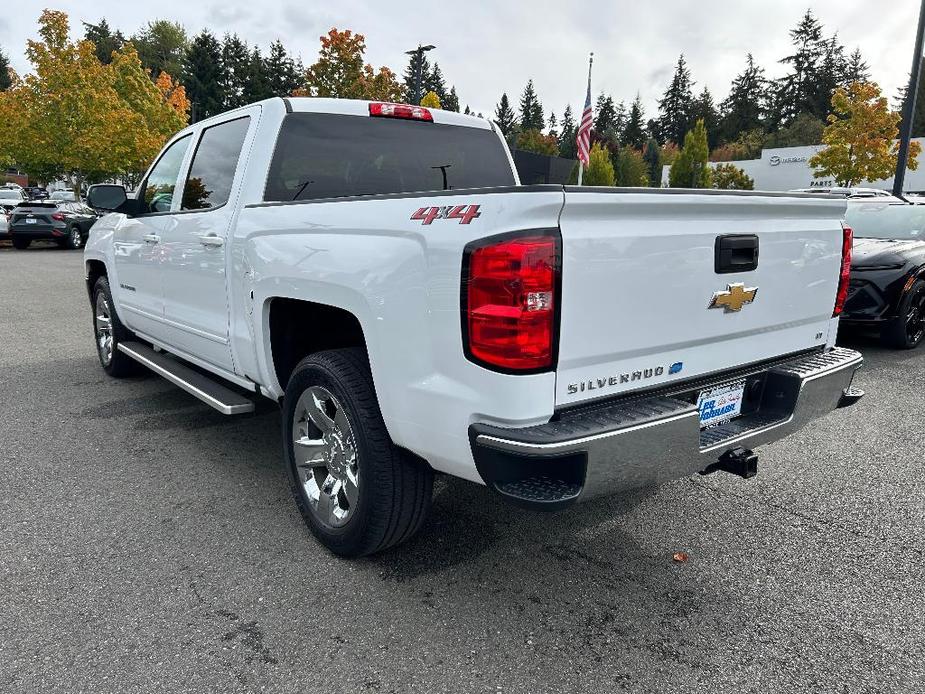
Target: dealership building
x,y
786,168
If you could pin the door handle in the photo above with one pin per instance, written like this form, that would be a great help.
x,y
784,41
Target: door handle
x,y
211,240
151,238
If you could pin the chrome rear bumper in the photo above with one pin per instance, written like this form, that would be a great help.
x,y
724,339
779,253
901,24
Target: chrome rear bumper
x,y
634,442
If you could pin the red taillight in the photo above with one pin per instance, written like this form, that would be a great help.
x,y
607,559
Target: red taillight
x,y
58,217
510,295
407,111
845,276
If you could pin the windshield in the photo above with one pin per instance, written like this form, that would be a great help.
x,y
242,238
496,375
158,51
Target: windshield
x,y
10,195
886,220
62,195
320,155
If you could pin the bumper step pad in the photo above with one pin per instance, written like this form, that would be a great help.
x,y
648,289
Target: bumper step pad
x,y
540,490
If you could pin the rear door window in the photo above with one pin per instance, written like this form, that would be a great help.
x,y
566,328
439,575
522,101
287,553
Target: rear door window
x,y
208,184
321,155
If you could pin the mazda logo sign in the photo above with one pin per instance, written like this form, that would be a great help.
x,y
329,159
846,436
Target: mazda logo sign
x,y
774,160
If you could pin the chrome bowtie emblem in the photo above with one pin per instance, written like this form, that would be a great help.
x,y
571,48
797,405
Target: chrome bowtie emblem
x,y
734,297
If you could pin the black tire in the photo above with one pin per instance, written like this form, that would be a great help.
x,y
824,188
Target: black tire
x,y
394,487
908,330
74,240
118,364
21,244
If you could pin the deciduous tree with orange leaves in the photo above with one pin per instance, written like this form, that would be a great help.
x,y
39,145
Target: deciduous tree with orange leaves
x,y
75,117
340,71
860,138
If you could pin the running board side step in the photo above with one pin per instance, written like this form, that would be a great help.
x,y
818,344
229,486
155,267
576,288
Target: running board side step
x,y
211,393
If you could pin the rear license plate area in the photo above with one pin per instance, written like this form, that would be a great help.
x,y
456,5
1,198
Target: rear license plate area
x,y
721,403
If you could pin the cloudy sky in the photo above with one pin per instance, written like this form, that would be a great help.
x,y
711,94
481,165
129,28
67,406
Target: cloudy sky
x,y
486,47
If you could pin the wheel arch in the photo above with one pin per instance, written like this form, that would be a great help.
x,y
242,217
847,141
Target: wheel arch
x,y
94,269
293,332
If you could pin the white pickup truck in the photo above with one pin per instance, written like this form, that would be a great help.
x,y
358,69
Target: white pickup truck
x,y
378,271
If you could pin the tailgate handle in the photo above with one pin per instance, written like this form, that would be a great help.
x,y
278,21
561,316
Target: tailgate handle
x,y
735,253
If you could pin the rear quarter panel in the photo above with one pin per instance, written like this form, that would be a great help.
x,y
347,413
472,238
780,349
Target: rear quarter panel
x,y
401,279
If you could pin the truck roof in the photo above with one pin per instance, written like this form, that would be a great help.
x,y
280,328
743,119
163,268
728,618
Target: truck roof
x,y
351,107
359,107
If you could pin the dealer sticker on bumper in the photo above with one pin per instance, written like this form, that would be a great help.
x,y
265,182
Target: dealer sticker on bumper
x,y
721,404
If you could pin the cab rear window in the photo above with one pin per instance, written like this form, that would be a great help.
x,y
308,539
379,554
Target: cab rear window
x,y
322,155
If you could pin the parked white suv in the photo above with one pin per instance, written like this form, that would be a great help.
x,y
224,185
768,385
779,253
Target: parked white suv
x,y
378,271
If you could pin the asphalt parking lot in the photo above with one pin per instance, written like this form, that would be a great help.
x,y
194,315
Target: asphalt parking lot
x,y
147,543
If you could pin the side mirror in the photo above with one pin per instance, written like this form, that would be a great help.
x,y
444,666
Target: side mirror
x,y
106,197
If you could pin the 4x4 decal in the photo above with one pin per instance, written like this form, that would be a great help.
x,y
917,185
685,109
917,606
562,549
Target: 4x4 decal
x,y
464,213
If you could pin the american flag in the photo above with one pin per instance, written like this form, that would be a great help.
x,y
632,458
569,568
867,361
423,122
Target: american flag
x,y
584,129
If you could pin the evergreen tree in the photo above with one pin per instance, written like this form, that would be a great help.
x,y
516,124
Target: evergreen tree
x,y
676,106
600,168
690,169
634,134
504,116
620,118
805,129
653,159
605,116
104,39
830,75
284,75
552,125
856,69
435,83
630,168
6,80
567,135
410,76
468,111
797,91
452,101
161,47
744,109
203,76
236,59
705,110
256,82
531,110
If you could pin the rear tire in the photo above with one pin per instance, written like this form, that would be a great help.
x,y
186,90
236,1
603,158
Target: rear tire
x,y
108,332
74,240
21,244
357,491
908,330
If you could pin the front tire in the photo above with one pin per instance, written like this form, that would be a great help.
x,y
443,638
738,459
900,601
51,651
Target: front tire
x,y
108,332
908,330
21,244
357,491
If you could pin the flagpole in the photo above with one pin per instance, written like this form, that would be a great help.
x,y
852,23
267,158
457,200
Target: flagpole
x,y
581,166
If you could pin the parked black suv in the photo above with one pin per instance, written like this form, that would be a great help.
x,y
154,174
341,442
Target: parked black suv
x,y
36,192
67,223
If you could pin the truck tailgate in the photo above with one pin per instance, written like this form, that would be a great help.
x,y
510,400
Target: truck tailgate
x,y
639,274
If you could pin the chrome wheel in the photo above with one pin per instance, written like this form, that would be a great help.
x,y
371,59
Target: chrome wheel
x,y
102,324
75,240
915,321
325,456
